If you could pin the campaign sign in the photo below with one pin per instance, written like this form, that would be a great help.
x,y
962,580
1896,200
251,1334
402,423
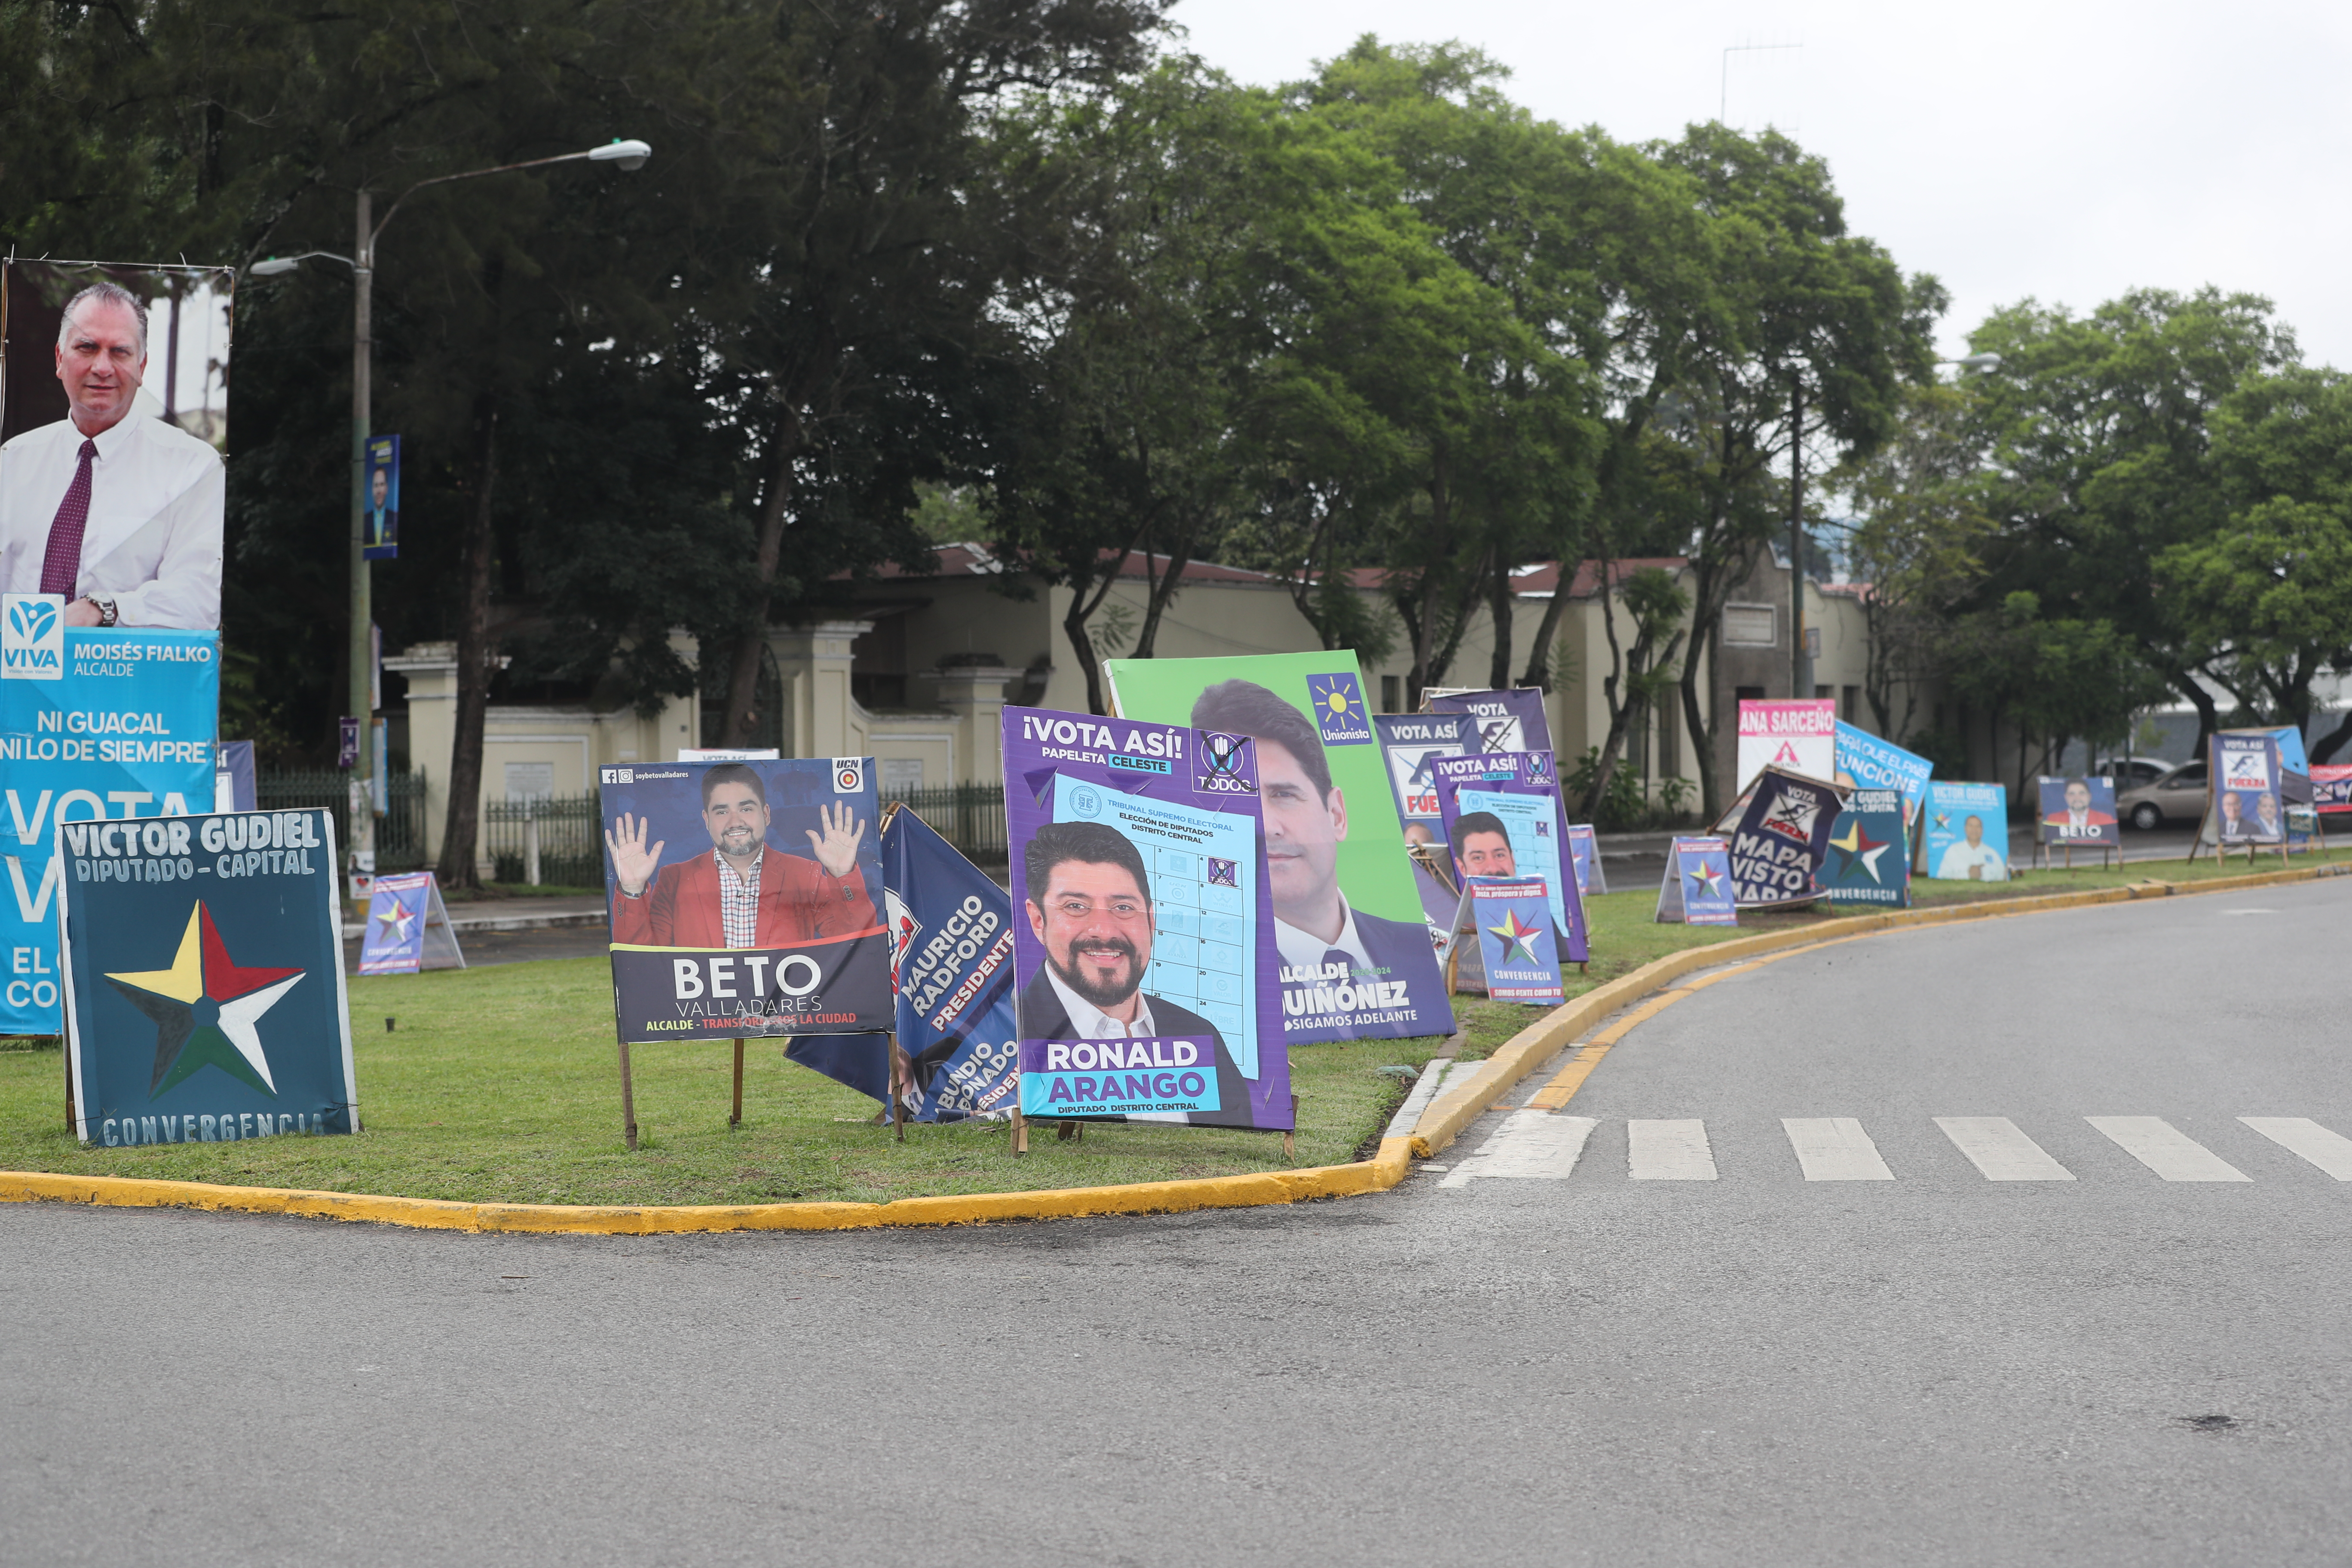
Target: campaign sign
x,y
2080,811
1873,763
1797,737
745,898
93,723
1782,839
1514,921
2247,775
1149,982
2331,788
380,515
1966,839
1869,860
1697,888
1342,890
1411,744
1503,818
1585,849
951,967
206,999
408,927
1511,721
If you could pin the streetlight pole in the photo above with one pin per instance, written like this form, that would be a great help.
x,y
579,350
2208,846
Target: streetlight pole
x,y
629,154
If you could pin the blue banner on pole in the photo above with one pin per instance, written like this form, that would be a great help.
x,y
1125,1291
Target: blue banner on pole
x,y
205,962
951,964
94,724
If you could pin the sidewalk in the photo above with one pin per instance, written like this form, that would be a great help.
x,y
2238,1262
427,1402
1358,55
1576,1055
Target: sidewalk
x,y
513,914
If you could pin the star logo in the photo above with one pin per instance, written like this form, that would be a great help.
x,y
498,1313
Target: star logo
x,y
1708,879
397,923
204,1008
1518,937
1856,845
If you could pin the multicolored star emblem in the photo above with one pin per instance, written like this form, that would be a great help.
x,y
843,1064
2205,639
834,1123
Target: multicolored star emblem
x,y
1517,936
1709,880
397,923
204,1008
1856,845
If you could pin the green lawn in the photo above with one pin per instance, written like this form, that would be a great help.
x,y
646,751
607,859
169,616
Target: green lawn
x,y
502,1084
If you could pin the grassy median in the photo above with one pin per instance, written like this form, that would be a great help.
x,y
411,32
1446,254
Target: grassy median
x,y
502,1084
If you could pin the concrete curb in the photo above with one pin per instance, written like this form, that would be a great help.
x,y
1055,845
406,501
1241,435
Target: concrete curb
x,y
1439,1125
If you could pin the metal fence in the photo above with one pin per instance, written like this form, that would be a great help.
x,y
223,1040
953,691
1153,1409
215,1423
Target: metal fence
x,y
399,829
557,832
970,817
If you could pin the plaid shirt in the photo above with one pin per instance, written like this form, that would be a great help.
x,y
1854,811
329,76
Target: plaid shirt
x,y
739,900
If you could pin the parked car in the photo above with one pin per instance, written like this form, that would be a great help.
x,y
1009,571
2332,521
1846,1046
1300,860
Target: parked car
x,y
2130,772
2178,796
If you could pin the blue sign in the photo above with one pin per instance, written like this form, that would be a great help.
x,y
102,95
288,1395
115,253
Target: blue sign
x,y
1782,839
1696,888
1967,832
951,964
1869,860
1873,763
205,959
1340,714
94,723
1503,818
380,509
1516,939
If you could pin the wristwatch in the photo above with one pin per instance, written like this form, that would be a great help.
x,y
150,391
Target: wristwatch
x,y
105,608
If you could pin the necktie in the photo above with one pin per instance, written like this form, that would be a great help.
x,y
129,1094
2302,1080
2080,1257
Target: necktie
x,y
1339,956
61,563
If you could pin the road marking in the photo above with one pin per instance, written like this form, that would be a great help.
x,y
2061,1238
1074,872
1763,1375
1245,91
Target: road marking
x,y
2331,1151
1995,1146
1530,1146
1834,1148
2165,1150
1668,1152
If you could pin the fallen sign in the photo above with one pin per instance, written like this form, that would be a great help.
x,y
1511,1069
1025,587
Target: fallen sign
x,y
1782,839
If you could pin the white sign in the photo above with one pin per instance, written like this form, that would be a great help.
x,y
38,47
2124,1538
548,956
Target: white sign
x,y
1800,736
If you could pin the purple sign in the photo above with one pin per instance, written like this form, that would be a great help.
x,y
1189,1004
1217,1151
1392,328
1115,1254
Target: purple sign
x,y
1509,721
1503,818
1147,979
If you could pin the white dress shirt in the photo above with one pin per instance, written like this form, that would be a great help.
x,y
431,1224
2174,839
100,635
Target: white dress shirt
x,y
1305,950
152,544
1088,1022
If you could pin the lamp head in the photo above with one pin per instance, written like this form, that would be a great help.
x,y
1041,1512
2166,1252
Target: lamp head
x,y
275,266
631,155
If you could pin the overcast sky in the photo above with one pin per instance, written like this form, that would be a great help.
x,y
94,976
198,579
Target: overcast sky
x,y
2062,149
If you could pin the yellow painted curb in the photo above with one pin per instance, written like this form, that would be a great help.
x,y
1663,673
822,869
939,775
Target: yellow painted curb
x,y
1376,1174
1444,1119
1439,1125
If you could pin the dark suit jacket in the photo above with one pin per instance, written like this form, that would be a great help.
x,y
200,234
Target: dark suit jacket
x,y
1042,1017
1401,947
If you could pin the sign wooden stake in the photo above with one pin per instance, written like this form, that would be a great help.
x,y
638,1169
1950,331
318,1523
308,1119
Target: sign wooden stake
x,y
1020,1131
629,1100
736,1119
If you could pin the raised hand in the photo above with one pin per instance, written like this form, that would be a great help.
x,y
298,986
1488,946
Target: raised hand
x,y
633,863
836,850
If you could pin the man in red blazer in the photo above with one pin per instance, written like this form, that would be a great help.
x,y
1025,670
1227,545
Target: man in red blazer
x,y
742,892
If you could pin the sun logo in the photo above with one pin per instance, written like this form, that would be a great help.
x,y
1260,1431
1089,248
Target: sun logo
x,y
1338,706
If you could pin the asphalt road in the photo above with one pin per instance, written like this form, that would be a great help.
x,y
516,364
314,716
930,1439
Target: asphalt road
x,y
1563,1365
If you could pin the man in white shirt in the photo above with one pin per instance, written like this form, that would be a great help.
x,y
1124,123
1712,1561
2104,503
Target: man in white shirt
x,y
1974,860
120,513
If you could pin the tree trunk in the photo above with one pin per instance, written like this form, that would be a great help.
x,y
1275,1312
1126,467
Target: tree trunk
x,y
1498,612
775,510
1162,590
461,829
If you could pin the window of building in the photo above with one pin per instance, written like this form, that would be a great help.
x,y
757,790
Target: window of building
x,y
1850,704
901,776
1392,693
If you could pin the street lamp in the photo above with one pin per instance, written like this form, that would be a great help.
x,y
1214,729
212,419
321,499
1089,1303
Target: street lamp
x,y
627,154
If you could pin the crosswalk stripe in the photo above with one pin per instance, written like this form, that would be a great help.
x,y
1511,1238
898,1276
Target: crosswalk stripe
x,y
1529,1145
2331,1151
2165,1150
1834,1148
1995,1146
1668,1152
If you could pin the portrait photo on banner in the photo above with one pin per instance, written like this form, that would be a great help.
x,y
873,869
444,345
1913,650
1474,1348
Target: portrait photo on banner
x,y
113,487
745,898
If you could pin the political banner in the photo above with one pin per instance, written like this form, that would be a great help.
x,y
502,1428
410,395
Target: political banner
x,y
951,968
205,996
745,898
2080,811
1518,944
408,928
1432,875
379,511
1782,839
1697,888
1584,847
1967,838
1340,885
1512,720
1503,818
234,787
1798,737
1150,986
94,723
1869,860
1866,762
2331,786
2247,776
1411,744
